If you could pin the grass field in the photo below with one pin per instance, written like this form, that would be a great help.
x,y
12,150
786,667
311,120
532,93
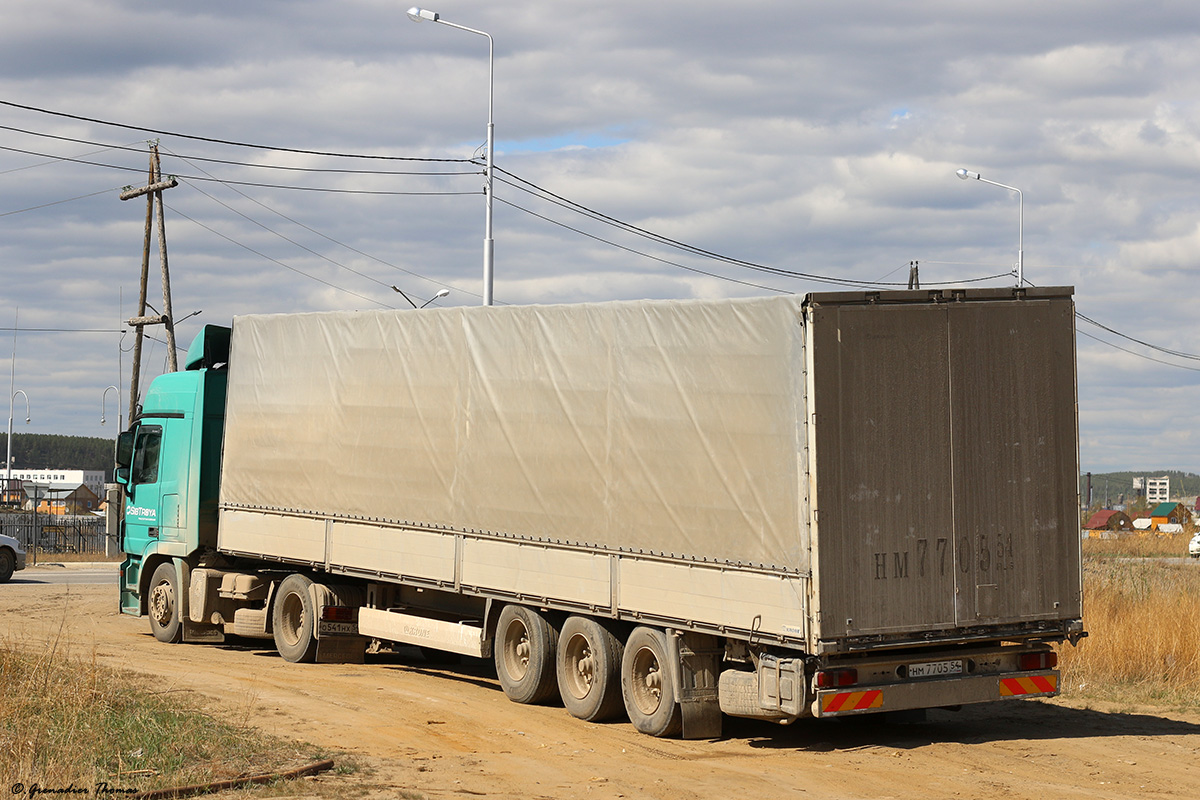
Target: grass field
x,y
66,722
1143,623
1139,545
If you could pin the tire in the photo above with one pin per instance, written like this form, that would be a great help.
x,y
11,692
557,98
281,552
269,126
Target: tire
x,y
163,604
646,684
293,620
525,654
8,564
589,670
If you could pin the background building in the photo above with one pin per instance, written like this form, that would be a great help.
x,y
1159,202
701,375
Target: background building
x,y
93,479
1158,490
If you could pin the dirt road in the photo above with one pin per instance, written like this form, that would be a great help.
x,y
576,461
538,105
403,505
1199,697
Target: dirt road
x,y
450,732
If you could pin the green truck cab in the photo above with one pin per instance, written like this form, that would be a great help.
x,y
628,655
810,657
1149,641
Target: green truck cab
x,y
169,464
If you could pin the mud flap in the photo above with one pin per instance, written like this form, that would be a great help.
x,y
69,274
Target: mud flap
x,y
337,648
341,650
697,661
192,631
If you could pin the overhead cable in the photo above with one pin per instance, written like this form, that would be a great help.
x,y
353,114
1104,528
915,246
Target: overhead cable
x,y
243,183
230,142
133,149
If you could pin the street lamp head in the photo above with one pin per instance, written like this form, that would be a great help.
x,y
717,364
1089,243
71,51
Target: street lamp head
x,y
441,293
421,14
966,173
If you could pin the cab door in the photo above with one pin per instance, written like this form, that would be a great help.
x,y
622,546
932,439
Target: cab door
x,y
143,491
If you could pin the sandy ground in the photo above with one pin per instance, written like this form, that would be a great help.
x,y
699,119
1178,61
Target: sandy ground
x,y
446,732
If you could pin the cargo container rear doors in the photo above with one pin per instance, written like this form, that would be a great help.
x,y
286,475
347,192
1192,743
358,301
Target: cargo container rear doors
x,y
943,461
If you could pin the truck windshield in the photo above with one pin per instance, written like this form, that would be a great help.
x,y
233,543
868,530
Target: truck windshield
x,y
145,455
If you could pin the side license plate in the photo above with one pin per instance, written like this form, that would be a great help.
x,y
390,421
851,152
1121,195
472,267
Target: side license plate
x,y
931,669
326,628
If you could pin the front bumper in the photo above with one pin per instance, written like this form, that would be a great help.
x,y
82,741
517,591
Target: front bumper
x,y
935,693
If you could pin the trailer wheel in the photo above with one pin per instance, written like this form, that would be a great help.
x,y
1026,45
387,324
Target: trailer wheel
x,y
589,669
525,647
646,684
293,620
163,604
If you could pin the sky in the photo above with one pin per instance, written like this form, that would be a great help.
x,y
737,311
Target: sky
x,y
816,138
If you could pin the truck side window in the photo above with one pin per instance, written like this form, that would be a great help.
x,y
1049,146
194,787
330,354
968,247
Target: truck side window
x,y
145,455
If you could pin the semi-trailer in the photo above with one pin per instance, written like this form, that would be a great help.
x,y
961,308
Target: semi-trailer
x,y
842,503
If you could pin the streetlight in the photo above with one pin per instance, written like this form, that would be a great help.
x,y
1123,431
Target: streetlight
x,y
421,15
1020,271
441,293
8,464
104,397
12,396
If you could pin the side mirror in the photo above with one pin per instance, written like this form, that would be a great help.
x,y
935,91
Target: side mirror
x,y
124,453
122,476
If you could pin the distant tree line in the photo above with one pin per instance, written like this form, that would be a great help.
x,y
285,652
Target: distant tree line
x,y
49,451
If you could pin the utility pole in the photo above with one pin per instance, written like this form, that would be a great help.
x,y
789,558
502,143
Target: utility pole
x,y
153,190
914,280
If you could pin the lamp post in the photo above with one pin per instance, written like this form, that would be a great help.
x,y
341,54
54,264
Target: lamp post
x,y
12,396
8,463
1020,270
441,293
104,397
422,15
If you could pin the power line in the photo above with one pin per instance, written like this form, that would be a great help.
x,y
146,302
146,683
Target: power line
x,y
60,330
1139,355
276,261
640,253
532,189
131,149
318,233
1190,356
59,202
229,142
659,238
241,183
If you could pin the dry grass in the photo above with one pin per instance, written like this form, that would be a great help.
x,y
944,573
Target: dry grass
x,y
67,722
1143,647
1139,545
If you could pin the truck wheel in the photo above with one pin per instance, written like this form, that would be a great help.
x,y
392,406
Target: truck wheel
x,y
164,604
525,646
293,620
646,684
8,563
589,669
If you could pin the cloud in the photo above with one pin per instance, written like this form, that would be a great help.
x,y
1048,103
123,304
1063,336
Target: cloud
x,y
814,137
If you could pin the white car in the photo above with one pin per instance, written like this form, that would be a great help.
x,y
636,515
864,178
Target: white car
x,y
12,557
1194,546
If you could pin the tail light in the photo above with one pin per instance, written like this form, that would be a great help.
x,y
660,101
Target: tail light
x,y
833,678
337,614
1045,659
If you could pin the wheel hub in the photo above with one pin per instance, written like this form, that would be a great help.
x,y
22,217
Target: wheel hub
x,y
162,603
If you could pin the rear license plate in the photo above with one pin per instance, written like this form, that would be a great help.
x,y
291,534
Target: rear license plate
x,y
932,669
327,628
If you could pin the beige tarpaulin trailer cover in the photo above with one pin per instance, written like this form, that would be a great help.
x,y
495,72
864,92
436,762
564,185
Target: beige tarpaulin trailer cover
x,y
672,427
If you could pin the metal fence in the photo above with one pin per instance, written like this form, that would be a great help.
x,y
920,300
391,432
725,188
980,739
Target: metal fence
x,y
56,533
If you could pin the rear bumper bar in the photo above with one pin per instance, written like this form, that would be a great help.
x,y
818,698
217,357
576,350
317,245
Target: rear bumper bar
x,y
934,693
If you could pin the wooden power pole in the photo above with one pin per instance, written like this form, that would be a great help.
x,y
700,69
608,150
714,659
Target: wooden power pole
x,y
153,190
